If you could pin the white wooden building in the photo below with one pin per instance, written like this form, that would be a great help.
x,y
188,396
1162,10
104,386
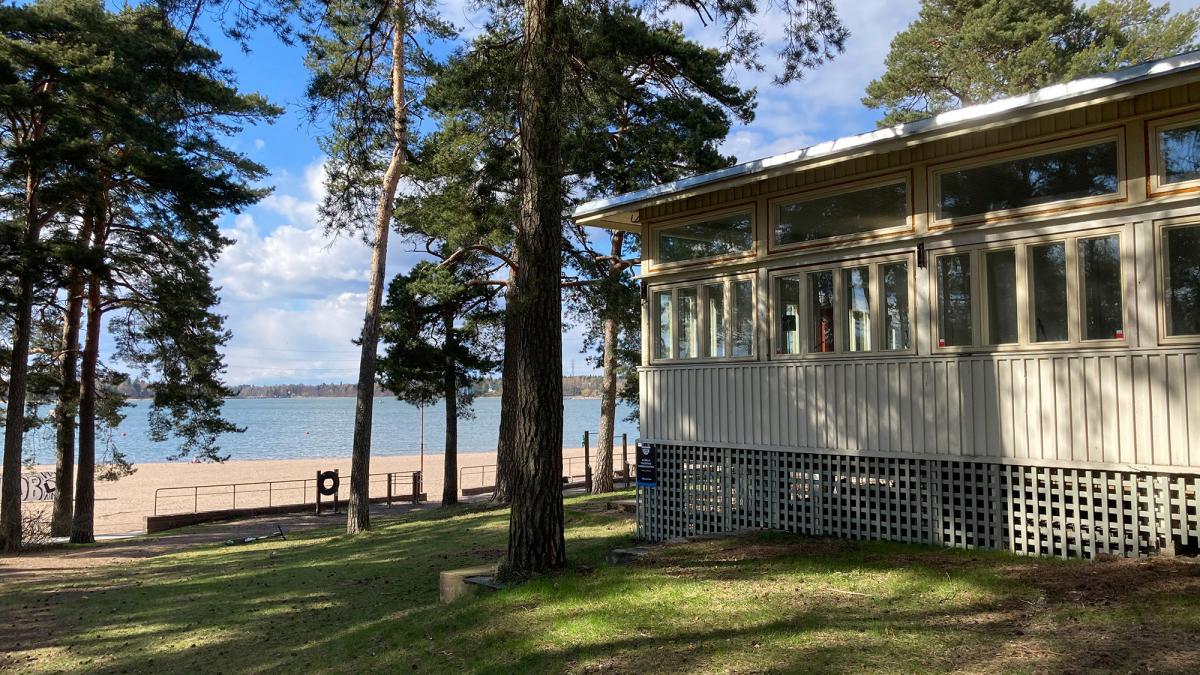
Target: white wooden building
x,y
979,330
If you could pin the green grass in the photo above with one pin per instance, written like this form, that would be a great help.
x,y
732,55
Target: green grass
x,y
763,602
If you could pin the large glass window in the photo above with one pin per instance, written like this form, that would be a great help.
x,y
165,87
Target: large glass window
x,y
821,314
955,324
1179,149
787,313
711,319
662,307
1028,181
1048,292
710,238
1002,296
689,321
1181,279
857,290
1100,272
714,296
847,213
743,318
1031,294
851,308
894,285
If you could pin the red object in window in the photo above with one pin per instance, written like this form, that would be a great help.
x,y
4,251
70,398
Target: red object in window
x,y
1119,335
941,342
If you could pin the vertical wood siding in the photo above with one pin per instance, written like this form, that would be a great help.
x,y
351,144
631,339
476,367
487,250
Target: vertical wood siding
x,y
1128,407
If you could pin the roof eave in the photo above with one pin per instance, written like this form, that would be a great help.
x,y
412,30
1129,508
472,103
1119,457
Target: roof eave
x,y
620,211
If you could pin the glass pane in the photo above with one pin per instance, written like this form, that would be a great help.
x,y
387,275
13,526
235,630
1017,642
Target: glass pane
x,y
689,318
1054,176
1180,150
1182,268
1100,267
1048,292
788,312
820,302
723,235
1002,297
895,305
857,282
715,295
743,318
864,210
662,306
954,300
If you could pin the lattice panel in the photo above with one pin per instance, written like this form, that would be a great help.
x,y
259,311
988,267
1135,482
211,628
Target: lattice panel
x,y
1042,511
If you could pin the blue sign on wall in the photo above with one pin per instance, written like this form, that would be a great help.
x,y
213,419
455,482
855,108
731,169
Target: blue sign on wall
x,y
647,465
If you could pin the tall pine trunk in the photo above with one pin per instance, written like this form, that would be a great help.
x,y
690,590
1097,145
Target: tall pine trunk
x,y
450,479
18,375
83,522
505,464
67,408
358,512
602,479
535,534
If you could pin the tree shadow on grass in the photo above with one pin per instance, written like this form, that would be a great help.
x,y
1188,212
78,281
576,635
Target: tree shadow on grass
x,y
258,606
762,602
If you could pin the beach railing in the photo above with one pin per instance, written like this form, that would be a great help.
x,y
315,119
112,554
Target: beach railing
x,y
299,492
480,479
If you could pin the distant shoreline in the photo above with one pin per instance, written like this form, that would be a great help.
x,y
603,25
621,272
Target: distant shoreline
x,y
388,396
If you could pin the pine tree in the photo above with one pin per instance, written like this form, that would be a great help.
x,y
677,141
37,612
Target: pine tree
x,y
127,164
964,52
360,55
550,52
439,325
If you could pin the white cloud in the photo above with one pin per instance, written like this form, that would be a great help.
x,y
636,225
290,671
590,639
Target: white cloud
x,y
308,343
294,295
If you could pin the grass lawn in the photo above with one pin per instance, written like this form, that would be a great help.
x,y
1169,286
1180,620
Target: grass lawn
x,y
763,602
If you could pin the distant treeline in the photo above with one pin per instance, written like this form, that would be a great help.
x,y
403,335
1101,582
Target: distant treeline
x,y
575,386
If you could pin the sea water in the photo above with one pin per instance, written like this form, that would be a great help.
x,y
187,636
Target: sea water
x,y
298,428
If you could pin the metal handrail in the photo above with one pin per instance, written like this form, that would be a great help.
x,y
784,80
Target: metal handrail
x,y
393,479
480,471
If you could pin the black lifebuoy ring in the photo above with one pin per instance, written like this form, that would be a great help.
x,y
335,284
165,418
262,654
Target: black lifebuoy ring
x,y
328,483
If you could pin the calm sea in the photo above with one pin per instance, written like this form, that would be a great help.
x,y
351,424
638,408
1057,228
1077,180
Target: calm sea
x,y
296,428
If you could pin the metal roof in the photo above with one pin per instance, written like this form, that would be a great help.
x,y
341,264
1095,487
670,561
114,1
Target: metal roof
x,y
1058,93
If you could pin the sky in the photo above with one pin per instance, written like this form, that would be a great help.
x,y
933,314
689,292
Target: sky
x,y
294,298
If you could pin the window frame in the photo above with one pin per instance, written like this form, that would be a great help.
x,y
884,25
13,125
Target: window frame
x,y
841,336
1025,307
654,229
795,197
1155,187
1115,134
1161,227
701,286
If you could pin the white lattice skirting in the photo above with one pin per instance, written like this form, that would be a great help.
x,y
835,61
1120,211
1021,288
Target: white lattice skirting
x,y
1032,510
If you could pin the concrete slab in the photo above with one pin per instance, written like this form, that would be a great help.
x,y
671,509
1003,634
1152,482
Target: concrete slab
x,y
455,584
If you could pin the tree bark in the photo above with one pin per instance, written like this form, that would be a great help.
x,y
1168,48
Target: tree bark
x,y
535,534
450,479
67,408
18,375
83,522
602,480
358,511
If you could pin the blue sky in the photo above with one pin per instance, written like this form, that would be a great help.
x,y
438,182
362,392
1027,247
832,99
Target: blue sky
x,y
294,298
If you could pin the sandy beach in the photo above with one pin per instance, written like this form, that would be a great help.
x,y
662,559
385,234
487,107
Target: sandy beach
x,y
121,506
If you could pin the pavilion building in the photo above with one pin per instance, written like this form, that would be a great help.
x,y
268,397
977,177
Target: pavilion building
x,y
978,330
